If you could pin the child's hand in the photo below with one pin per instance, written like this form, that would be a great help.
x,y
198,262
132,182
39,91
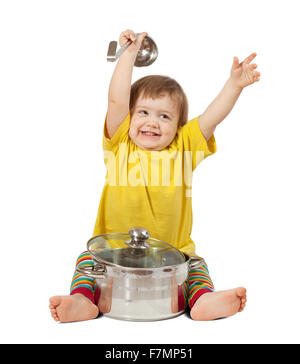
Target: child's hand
x,y
243,73
129,36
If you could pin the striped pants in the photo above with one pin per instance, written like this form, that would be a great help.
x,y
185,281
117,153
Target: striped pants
x,y
198,283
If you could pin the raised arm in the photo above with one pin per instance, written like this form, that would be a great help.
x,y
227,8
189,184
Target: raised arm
x,y
242,75
120,84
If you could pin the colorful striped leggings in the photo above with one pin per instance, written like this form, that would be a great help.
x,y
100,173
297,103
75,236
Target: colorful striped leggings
x,y
198,283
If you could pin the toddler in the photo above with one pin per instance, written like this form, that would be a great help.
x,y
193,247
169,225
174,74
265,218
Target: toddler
x,y
146,126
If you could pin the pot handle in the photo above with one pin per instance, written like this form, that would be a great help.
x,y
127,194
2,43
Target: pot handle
x,y
195,263
96,271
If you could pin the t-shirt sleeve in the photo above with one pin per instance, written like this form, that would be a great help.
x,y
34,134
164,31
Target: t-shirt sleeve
x,y
120,136
191,139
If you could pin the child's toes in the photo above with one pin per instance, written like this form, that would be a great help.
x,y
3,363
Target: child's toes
x,y
54,315
243,304
241,308
241,292
53,312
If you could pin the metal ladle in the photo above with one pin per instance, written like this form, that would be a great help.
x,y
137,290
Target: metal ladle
x,y
147,53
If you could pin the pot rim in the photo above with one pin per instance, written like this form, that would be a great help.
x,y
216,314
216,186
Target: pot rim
x,y
121,267
167,268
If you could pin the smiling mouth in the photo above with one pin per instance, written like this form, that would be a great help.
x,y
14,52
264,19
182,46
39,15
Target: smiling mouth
x,y
149,134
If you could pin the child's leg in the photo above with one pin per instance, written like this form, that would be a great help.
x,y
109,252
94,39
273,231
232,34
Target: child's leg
x,y
198,283
80,304
82,284
88,286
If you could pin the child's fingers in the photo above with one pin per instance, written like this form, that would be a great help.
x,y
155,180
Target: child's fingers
x,y
235,63
129,36
143,35
249,58
256,76
132,37
140,38
126,36
127,32
253,66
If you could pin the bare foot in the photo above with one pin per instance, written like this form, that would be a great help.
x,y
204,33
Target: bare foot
x,y
213,305
72,308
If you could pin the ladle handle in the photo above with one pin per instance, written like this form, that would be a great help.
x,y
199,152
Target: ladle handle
x,y
126,45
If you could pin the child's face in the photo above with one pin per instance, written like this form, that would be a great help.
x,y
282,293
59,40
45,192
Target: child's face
x,y
154,122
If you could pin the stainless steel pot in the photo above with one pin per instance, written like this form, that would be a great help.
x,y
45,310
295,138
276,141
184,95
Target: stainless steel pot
x,y
140,278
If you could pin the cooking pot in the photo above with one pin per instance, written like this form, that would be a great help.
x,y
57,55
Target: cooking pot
x,y
140,278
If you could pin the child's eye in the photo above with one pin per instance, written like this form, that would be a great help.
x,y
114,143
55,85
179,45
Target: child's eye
x,y
143,112
165,116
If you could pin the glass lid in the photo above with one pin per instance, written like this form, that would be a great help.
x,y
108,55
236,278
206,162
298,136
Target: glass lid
x,y
134,250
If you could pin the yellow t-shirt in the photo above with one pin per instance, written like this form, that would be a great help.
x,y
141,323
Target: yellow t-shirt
x,y
151,189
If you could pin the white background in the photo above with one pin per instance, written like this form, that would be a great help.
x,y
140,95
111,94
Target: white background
x,y
54,79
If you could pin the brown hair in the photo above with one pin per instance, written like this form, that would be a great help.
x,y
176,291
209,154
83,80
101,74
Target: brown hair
x,y
154,86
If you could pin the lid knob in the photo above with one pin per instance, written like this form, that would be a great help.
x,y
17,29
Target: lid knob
x,y
138,237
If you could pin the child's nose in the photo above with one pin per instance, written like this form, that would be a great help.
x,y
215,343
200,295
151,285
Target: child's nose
x,y
152,122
